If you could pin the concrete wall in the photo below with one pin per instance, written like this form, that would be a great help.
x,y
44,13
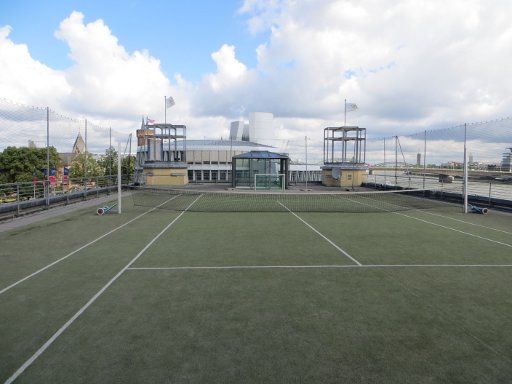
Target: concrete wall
x,y
346,178
166,176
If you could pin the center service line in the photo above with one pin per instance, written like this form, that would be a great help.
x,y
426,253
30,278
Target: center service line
x,y
318,232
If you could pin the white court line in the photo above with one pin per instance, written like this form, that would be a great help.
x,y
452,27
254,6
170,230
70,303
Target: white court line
x,y
467,222
320,266
321,235
454,229
439,225
79,249
50,341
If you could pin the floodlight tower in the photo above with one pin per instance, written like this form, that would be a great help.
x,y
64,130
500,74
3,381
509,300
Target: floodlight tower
x,y
344,156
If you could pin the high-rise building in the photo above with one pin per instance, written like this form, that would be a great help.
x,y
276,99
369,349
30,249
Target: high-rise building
x,y
236,130
259,128
506,162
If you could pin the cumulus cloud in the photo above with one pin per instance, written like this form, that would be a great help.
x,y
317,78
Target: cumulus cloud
x,y
106,80
25,79
408,65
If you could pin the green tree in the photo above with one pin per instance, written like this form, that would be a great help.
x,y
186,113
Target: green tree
x,y
108,162
78,166
17,164
128,166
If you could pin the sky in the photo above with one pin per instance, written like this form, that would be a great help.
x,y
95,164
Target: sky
x,y
409,65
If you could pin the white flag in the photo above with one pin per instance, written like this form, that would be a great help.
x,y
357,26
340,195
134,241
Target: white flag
x,y
169,102
351,107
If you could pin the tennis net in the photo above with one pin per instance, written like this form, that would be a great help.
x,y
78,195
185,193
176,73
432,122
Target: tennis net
x,y
244,201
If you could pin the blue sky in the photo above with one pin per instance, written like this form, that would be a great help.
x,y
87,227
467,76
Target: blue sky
x,y
182,34
408,65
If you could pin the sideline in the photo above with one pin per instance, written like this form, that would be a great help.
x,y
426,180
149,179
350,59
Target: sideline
x,y
66,325
80,248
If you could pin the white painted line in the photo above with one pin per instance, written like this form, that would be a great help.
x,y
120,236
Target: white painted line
x,y
320,234
454,229
442,226
50,341
335,266
79,249
467,222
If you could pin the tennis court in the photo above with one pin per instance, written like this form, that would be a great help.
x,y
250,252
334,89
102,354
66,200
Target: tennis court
x,y
167,293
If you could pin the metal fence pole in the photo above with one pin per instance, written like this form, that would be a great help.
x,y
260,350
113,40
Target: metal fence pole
x,y
47,181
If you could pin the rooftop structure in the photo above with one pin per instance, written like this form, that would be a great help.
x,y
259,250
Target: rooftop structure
x,y
344,156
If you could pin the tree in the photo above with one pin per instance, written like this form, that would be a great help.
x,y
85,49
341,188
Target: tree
x,y
78,166
108,162
128,166
18,164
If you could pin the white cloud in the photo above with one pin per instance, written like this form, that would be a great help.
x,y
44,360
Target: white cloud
x,y
107,80
25,79
408,65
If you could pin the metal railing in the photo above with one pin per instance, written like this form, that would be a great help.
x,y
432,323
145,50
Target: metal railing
x,y
18,199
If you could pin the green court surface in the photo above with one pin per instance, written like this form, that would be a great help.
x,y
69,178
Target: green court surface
x,y
165,296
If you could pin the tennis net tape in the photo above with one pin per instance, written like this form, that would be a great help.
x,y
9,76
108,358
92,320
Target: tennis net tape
x,y
245,201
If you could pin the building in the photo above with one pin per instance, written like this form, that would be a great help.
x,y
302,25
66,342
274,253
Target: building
x,y
259,128
344,157
203,161
506,162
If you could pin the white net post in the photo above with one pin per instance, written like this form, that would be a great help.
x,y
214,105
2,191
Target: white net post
x,y
119,179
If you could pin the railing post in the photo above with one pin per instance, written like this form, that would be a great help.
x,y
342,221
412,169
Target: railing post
x,y
18,198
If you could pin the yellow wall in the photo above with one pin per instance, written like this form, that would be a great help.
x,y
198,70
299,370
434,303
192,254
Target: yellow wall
x,y
348,178
166,176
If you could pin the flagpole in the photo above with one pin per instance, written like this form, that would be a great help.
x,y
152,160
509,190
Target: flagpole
x,y
165,109
345,122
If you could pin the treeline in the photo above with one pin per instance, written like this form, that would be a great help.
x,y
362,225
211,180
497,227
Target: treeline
x,y
20,164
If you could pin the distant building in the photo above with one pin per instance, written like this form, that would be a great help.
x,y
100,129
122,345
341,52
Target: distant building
x,y
506,162
259,128
79,145
210,161
67,157
418,159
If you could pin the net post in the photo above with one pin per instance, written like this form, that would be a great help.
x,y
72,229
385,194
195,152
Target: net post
x,y
119,184
465,187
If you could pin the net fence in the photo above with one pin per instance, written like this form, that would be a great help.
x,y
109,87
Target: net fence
x,y
238,201
434,159
33,126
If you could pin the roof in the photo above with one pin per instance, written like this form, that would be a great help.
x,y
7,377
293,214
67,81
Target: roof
x,y
260,155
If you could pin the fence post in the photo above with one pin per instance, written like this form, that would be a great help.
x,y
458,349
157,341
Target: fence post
x,y
47,181
490,193
18,198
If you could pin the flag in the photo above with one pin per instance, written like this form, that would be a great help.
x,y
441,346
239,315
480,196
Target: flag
x,y
34,176
351,107
53,173
169,102
65,177
149,121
